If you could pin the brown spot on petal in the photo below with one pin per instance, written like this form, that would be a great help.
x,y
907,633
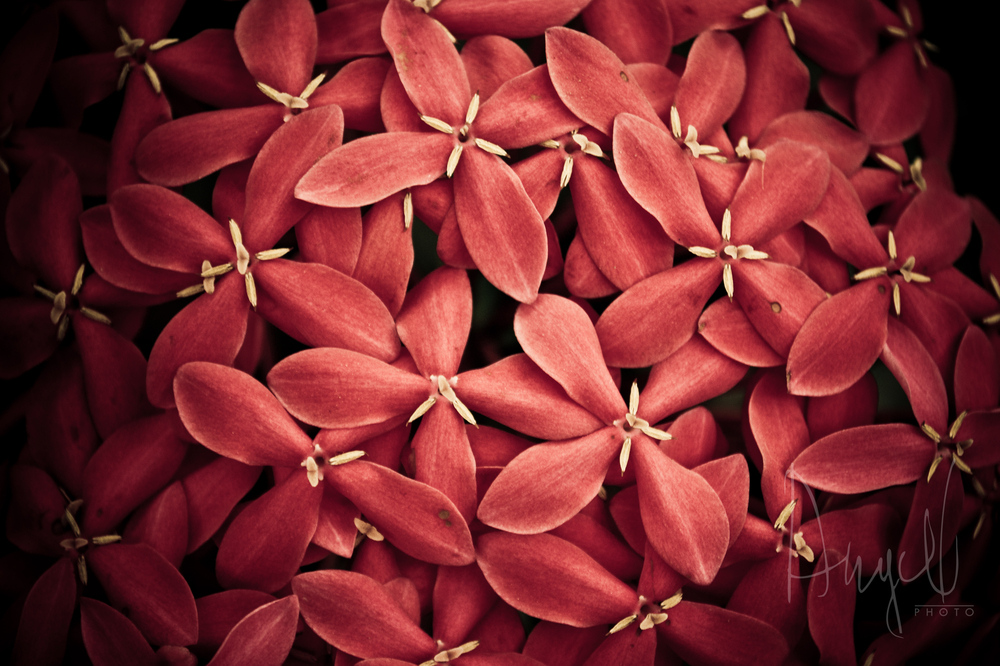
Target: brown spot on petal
x,y
624,76
775,307
881,289
444,515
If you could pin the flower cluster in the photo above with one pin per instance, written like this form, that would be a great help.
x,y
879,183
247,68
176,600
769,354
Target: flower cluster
x,y
573,332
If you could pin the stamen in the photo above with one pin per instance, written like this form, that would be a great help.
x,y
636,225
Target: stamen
x,y
439,125
896,31
957,425
276,253
251,290
368,530
892,246
344,458
162,43
755,12
993,281
94,315
655,433
491,147
788,28
549,143
727,279
703,252
917,174
154,79
652,620
579,139
214,271
667,604
456,153
311,88
622,624
624,455
895,297
930,432
422,409
106,539
785,514
675,122
63,328
870,273
633,397
961,464
473,110
446,656
567,172
71,519
889,162
73,544
801,548
934,466
407,210
78,280
312,471
81,569
191,291
58,307
979,525
123,76
445,389
727,225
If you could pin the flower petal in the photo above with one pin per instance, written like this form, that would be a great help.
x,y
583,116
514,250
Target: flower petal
x,y
265,636
435,320
109,636
713,82
278,42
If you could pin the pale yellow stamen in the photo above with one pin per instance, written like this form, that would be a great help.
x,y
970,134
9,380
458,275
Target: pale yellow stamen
x,y
312,471
703,252
75,543
744,150
276,253
755,12
675,122
896,31
106,539
727,279
214,271
934,466
889,162
623,456
439,125
897,306
567,172
123,76
473,110
456,153
917,174
870,273
892,246
801,548
94,315
368,530
622,624
785,514
407,210
162,43
251,290
550,143
727,225
154,78
58,307
81,569
652,620
669,603
788,28
422,409
78,280
448,393
446,656
346,457
957,425
491,147
931,432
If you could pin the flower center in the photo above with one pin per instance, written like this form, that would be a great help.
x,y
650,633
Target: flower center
x,y
59,305
294,103
462,136
443,388
315,463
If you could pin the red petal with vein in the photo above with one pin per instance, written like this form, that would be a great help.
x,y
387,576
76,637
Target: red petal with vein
x,y
45,619
271,210
625,241
707,634
549,483
916,372
854,406
428,63
338,42
129,468
526,110
781,433
212,492
162,524
330,236
146,110
115,372
386,256
685,520
635,31
592,81
501,228
658,176
25,327
672,386
582,277
510,18
209,329
840,36
869,531
694,436
841,218
166,230
371,168
984,429
265,636
977,378
443,457
975,301
658,84
490,61
184,150
336,530
540,176
933,523
558,335
41,223
278,42
208,67
435,320
368,390
689,20
561,645
356,89
830,608
150,20
110,638
156,596
518,394
461,598
847,148
772,198
727,328
218,613
451,247
324,308
215,403
655,317
840,341
600,543
729,477
770,591
355,614
713,82
935,228
859,460
431,529
761,284
625,648
263,546
777,81
891,99
552,579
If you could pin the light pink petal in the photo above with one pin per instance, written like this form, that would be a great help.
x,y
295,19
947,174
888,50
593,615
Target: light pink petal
x,y
592,81
386,256
726,327
155,594
435,320
371,168
863,459
519,394
110,638
501,228
916,372
658,176
558,335
712,84
549,483
45,619
264,637
552,579
490,61
840,341
278,42
428,63
635,31
324,308
263,546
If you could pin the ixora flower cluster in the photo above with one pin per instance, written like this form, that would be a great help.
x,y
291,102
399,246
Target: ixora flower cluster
x,y
630,417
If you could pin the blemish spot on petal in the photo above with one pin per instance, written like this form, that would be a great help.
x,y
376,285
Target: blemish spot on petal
x,y
775,307
623,76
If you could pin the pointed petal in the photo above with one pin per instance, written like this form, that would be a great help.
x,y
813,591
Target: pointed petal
x,y
977,378
707,634
490,61
935,514
110,638
830,608
208,67
212,492
364,37
730,479
841,218
162,524
219,613
330,236
443,457
635,31
847,148
891,99
386,256
726,327
45,619
713,82
917,373
278,43
525,111
762,284
582,276
435,320
265,636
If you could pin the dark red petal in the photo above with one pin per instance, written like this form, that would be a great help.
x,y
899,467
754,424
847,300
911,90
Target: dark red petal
x,y
510,18
937,136
208,67
428,63
26,328
162,524
765,593
658,176
218,613
110,638
852,407
355,614
142,111
386,256
916,372
212,492
830,608
847,148
190,337
156,596
712,84
435,320
501,228
525,110
552,579
690,20
368,390
45,619
656,316
730,479
549,483
490,61
518,394
935,514
371,168
840,217
263,546
841,36
984,428
635,31
707,634
581,275
862,459
891,98
540,176
350,29
184,150
558,335
840,341
264,637
592,81
977,378
726,327
278,43
685,520
431,529
129,468
934,228
356,90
